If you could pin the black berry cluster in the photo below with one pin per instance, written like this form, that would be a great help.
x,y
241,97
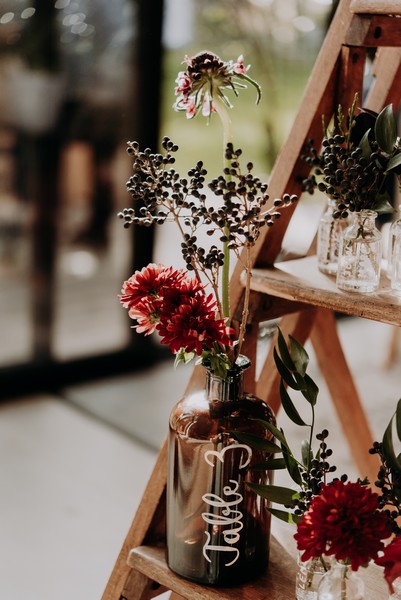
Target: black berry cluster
x,y
315,475
353,179
236,215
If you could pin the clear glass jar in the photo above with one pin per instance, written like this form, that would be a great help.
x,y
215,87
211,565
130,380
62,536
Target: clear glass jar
x,y
341,583
394,236
328,239
360,255
308,577
218,529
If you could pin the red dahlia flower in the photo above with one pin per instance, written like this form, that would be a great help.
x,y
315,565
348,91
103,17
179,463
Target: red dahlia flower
x,y
391,561
150,283
343,521
194,326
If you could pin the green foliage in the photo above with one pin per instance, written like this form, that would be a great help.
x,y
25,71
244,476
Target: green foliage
x,y
292,361
390,456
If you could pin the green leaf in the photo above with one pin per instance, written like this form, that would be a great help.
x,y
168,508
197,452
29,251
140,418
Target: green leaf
x,y
183,356
382,204
310,391
386,129
364,144
285,516
284,372
273,464
306,453
292,467
274,430
299,356
256,442
398,419
284,352
395,161
289,406
274,493
388,448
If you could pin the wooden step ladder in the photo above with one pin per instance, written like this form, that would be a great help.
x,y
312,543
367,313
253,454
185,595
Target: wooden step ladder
x,y
295,292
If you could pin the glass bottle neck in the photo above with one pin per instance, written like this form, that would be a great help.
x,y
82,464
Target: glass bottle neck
x,y
366,218
226,391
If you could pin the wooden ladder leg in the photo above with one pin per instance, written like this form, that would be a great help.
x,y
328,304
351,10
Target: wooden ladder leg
x,y
334,368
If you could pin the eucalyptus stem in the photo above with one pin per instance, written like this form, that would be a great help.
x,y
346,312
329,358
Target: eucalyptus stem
x,y
245,309
222,111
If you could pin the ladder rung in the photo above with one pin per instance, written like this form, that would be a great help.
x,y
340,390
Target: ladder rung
x,y
377,7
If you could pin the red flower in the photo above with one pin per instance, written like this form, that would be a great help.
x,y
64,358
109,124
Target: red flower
x,y
344,521
194,326
147,314
150,283
391,561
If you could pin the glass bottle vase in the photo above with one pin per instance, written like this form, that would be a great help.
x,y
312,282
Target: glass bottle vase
x,y
218,529
394,238
328,239
308,577
360,255
341,583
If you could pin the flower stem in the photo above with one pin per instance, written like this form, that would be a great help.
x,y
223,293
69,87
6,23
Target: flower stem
x,y
221,110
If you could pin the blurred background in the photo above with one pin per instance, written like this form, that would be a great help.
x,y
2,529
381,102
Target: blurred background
x,y
78,79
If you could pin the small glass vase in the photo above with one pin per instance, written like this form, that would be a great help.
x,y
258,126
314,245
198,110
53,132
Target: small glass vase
x,y
328,239
308,577
394,238
360,255
218,529
341,583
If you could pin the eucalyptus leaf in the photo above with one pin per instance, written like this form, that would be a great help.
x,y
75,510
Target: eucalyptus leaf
x,y
393,163
386,129
364,144
289,406
284,372
292,467
306,453
273,463
299,356
398,419
310,391
274,430
388,449
382,204
284,352
275,493
256,442
285,516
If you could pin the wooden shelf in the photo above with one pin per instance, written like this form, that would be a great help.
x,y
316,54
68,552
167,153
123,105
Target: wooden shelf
x,y
277,584
301,281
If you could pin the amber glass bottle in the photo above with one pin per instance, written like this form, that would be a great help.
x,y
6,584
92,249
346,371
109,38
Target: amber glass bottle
x,y
217,528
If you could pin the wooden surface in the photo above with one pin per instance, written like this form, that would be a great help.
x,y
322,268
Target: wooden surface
x,y
389,7
277,584
300,280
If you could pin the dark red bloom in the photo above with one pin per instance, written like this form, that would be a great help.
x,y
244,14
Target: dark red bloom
x,y
194,326
150,283
343,521
391,561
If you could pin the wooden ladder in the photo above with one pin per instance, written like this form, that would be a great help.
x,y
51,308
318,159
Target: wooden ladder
x,y
295,292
